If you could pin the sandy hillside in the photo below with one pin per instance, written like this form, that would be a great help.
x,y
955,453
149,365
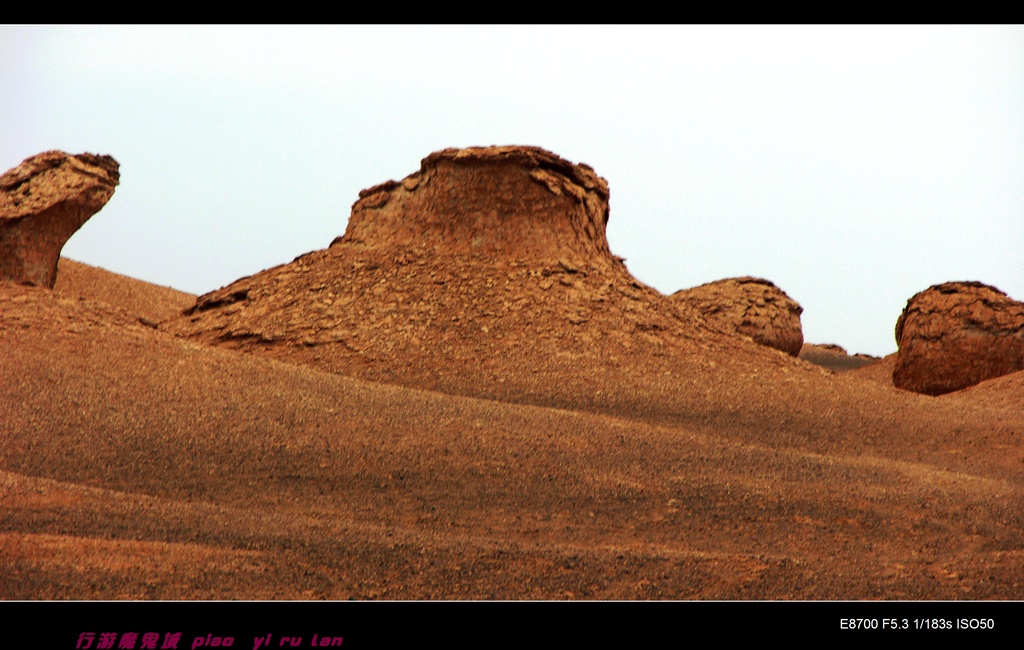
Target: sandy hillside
x,y
151,302
420,412
1004,393
140,465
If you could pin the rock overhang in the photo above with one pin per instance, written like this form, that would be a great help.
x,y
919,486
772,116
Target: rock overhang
x,y
43,202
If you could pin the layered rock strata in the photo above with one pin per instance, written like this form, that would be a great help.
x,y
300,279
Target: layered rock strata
x,y
511,202
485,273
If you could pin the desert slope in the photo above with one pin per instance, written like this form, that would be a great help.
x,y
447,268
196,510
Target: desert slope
x,y
140,465
152,302
487,274
468,396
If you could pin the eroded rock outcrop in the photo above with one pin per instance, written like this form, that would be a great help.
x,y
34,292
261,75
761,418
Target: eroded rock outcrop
x,y
753,307
507,242
43,202
955,335
486,272
513,202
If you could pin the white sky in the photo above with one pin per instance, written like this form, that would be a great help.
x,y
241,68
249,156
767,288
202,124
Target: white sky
x,y
852,166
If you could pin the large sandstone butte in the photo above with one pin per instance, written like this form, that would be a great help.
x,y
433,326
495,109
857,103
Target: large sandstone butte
x,y
487,272
43,201
752,307
497,201
955,335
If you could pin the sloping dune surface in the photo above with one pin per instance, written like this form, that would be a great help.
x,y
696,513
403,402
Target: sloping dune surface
x,y
141,465
149,301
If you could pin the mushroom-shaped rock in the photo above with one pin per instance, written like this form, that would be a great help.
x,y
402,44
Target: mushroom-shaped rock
x,y
493,257
510,202
753,307
43,201
955,335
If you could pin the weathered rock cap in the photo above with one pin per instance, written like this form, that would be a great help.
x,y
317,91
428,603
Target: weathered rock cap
x,y
508,201
43,201
752,307
955,335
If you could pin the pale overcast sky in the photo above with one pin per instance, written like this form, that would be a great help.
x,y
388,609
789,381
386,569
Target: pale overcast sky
x,y
852,166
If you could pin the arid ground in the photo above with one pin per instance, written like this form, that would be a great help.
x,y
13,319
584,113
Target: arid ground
x,y
140,464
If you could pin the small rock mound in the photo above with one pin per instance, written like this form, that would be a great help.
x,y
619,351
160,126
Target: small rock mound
x,y
511,202
834,357
955,335
750,306
43,201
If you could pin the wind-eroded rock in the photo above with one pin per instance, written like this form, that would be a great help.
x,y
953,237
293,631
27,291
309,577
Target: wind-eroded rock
x,y
751,306
955,335
487,267
497,201
43,201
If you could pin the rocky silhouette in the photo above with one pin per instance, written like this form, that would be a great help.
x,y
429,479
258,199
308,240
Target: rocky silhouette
x,y
486,260
752,307
43,201
955,335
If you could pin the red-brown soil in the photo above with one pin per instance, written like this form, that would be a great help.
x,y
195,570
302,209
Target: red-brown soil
x,y
381,420
1004,393
879,371
151,302
141,465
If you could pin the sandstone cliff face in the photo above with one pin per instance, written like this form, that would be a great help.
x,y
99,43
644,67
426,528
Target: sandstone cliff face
x,y
955,335
43,202
750,306
511,202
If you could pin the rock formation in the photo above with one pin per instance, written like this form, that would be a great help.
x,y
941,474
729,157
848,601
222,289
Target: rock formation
x,y
43,201
512,202
495,241
150,302
955,335
750,306
486,272
834,357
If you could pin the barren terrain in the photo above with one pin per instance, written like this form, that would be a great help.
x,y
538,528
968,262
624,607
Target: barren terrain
x,y
467,396
137,464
